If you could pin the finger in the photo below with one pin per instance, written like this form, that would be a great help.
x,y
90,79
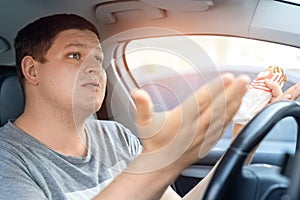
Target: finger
x,y
292,93
187,116
209,91
144,107
275,88
284,97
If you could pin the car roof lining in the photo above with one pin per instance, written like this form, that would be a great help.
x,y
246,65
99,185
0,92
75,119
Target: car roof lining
x,y
241,18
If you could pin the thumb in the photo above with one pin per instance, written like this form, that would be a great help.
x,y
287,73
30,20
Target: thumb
x,y
144,107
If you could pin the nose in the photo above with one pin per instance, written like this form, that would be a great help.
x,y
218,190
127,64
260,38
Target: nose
x,y
95,70
93,66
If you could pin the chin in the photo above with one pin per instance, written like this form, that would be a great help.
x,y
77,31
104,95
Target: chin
x,y
86,108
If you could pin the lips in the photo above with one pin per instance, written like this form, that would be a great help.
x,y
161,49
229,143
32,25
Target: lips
x,y
94,83
91,85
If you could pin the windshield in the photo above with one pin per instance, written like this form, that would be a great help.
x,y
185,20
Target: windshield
x,y
173,67
222,50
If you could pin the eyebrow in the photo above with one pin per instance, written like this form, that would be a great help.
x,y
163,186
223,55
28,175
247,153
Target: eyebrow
x,y
80,45
74,45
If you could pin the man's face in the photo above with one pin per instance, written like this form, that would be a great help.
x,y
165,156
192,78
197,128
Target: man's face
x,y
73,77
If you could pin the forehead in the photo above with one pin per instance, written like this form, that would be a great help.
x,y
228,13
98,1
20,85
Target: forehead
x,y
77,38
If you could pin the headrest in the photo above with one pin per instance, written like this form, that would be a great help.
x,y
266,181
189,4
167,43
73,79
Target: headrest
x,y
11,95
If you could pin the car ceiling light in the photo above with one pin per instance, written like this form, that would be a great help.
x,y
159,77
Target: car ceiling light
x,y
106,13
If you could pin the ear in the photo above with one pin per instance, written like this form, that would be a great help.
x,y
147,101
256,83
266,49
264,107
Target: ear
x,y
29,69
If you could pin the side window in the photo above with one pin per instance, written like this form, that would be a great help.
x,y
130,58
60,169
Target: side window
x,y
170,68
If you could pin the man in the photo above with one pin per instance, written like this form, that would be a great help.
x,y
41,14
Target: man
x,y
53,151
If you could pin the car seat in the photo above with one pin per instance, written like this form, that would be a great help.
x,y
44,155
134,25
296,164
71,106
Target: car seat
x,y
11,95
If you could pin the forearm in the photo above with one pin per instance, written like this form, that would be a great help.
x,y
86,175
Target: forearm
x,y
130,186
198,191
236,129
135,184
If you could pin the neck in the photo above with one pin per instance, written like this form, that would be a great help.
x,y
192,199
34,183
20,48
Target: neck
x,y
56,129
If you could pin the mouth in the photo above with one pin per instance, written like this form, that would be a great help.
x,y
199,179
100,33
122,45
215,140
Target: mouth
x,y
94,86
94,83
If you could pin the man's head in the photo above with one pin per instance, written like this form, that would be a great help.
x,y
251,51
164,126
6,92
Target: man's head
x,y
36,38
59,64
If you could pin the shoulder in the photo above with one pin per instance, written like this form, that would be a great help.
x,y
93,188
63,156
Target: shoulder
x,y
11,151
11,138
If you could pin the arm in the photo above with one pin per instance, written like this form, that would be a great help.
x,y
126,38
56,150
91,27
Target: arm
x,y
236,129
15,179
198,191
173,140
290,94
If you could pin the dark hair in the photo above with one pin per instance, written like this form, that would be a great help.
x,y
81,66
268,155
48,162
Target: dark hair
x,y
36,38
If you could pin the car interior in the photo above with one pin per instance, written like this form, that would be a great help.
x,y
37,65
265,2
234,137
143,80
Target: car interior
x,y
170,48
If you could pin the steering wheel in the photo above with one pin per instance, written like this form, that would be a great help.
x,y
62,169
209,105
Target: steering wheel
x,y
233,180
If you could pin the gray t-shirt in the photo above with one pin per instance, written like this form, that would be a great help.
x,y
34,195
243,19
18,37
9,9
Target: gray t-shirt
x,y
30,170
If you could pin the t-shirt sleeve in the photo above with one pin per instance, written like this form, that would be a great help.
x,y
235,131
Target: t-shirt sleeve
x,y
132,142
15,180
113,137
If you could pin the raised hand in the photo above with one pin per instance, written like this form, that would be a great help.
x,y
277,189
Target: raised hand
x,y
186,133
290,94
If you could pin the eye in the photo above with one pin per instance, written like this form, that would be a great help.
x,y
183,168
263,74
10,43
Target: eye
x,y
75,56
